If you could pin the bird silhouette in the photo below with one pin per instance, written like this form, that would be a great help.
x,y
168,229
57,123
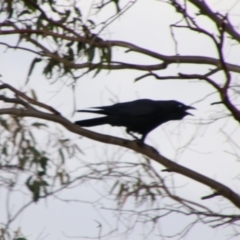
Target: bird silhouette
x,y
139,116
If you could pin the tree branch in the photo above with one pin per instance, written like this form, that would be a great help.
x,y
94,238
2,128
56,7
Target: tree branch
x,y
168,59
24,96
133,145
205,10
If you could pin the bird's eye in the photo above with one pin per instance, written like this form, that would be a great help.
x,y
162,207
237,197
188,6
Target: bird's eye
x,y
180,105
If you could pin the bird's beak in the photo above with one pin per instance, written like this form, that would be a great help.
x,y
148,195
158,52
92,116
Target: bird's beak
x,y
189,107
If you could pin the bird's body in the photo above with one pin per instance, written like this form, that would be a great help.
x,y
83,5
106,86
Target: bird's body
x,y
139,116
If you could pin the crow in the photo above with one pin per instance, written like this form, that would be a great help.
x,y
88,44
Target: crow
x,y
139,116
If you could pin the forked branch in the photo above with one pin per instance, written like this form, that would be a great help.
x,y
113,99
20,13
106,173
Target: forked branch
x,y
146,150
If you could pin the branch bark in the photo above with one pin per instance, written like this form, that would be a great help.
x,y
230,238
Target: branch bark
x,y
167,59
133,145
215,17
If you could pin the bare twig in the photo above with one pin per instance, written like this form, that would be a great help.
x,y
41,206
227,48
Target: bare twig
x,y
210,196
205,10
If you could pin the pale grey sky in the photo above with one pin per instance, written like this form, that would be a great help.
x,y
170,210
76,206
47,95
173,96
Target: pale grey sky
x,y
146,25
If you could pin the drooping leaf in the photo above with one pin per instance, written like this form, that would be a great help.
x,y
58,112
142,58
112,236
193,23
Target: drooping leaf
x,y
28,183
41,173
48,70
114,186
77,11
34,95
90,53
36,190
61,155
9,8
80,46
99,68
116,2
34,61
39,125
4,124
5,150
24,12
69,44
43,162
70,56
22,162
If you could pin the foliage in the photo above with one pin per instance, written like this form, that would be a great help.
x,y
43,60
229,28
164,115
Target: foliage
x,y
39,23
34,153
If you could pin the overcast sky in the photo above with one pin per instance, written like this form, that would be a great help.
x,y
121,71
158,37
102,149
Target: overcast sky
x,y
146,25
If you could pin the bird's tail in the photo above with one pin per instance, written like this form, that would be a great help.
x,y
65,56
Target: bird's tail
x,y
92,122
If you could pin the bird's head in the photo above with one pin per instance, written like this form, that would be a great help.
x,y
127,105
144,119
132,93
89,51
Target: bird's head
x,y
179,110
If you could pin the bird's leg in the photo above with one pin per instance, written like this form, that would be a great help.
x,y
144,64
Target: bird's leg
x,y
130,133
143,138
139,141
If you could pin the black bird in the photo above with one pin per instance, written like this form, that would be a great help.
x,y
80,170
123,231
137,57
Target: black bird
x,y
139,116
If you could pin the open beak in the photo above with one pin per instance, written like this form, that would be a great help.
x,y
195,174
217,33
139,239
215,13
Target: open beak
x,y
189,107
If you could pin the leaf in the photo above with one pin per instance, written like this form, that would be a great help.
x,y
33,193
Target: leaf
x,y
22,162
64,140
44,183
77,11
28,183
70,56
117,5
32,137
122,189
69,44
31,5
49,67
80,46
4,124
34,61
9,9
39,125
41,173
61,155
91,22
24,12
99,68
35,152
91,53
44,186
60,175
152,196
108,55
114,186
36,190
33,93
5,151
35,187
43,162
63,175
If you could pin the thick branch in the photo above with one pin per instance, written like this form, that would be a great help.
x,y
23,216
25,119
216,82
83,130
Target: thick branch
x,y
133,145
174,59
24,96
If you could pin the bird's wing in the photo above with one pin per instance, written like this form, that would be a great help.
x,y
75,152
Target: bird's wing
x,y
98,111
134,108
